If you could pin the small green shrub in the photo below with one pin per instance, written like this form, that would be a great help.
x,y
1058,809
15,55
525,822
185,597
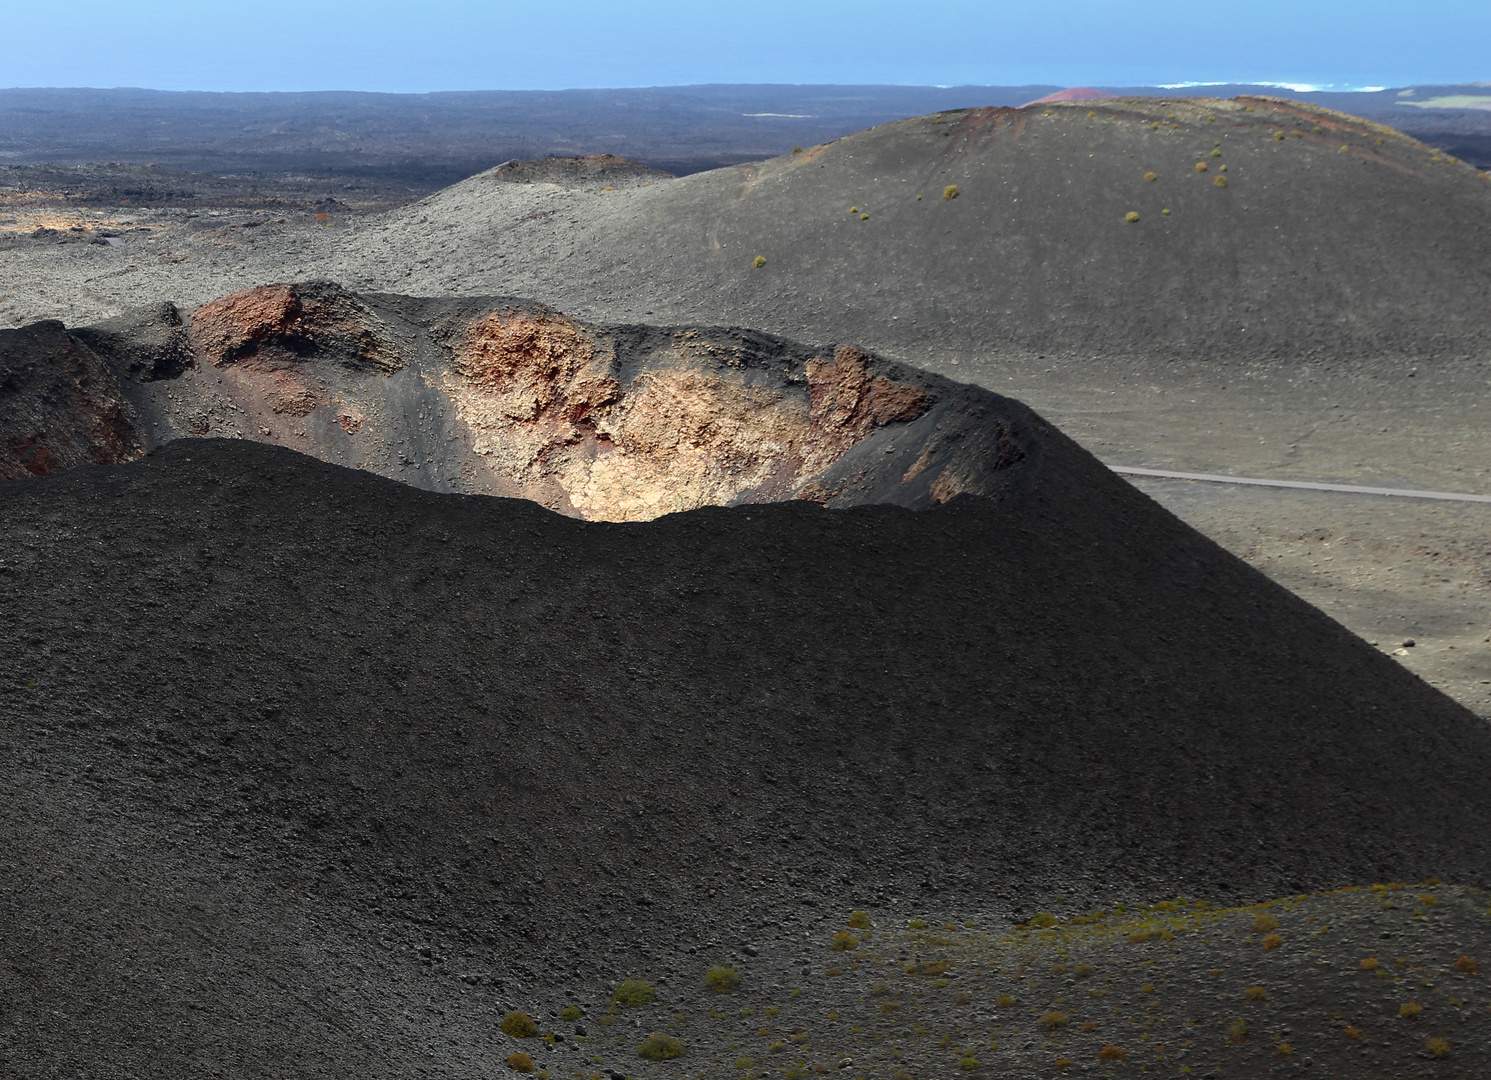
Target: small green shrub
x,y
1052,1020
1437,1047
1283,1050
797,149
519,1025
1084,971
968,1064
1045,918
1278,136
1216,153
844,941
633,993
744,1062
1110,1052
1220,181
1256,993
1409,1010
864,217
1264,923
854,209
570,1012
520,1062
758,262
1165,212
1271,942
950,192
660,1047
722,980
916,924
1131,217
1151,177
1237,1031
1202,166
1005,1001
859,920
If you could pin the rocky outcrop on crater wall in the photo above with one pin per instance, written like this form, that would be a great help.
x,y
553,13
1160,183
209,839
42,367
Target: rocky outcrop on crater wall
x,y
60,405
507,397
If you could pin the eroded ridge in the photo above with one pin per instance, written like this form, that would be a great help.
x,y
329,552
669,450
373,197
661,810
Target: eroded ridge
x,y
512,398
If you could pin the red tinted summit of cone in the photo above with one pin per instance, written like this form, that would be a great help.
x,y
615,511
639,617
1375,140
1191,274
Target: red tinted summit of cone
x,y
1073,93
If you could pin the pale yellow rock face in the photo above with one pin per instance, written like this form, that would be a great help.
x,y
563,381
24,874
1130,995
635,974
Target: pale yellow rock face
x,y
547,410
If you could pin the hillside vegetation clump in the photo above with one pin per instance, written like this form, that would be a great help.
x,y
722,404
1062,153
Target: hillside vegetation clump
x,y
660,1047
634,993
722,980
519,1025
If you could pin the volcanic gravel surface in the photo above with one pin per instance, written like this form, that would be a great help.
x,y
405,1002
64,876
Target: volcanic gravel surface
x,y
309,772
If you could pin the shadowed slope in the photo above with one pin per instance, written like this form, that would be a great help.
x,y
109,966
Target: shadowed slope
x,y
264,713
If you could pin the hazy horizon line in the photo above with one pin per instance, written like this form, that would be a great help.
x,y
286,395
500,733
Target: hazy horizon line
x,y
1297,87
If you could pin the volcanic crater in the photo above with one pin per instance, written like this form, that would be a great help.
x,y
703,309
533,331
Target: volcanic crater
x,y
507,397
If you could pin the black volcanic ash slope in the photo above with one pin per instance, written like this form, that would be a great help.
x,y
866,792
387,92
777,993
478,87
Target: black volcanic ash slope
x,y
310,772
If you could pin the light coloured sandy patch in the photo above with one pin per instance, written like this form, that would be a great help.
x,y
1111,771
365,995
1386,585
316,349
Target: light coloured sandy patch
x,y
687,438
28,221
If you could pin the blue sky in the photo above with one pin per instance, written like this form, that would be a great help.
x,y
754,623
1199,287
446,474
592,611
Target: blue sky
x,y
460,45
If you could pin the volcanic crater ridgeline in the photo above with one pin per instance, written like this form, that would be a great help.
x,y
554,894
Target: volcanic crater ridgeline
x,y
508,397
